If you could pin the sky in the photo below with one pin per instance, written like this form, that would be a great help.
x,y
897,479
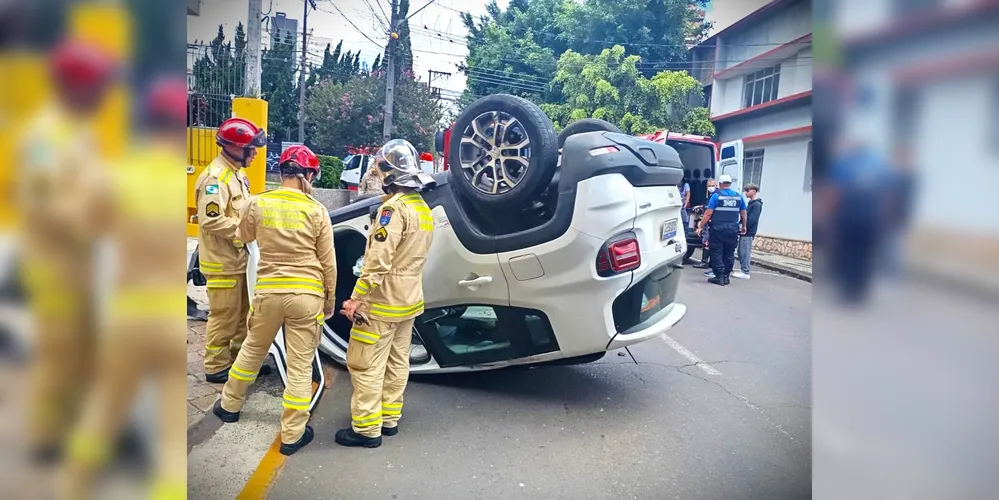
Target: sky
x,y
437,32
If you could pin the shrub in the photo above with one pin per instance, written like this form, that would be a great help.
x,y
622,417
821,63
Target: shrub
x,y
330,168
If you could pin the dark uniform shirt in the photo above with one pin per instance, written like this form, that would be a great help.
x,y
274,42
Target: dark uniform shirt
x,y
726,204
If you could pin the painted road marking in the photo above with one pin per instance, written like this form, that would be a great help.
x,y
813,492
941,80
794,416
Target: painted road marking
x,y
270,465
689,355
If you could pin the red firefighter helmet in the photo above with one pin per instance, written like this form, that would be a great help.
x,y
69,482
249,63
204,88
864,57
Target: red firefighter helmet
x,y
167,100
81,65
301,156
241,133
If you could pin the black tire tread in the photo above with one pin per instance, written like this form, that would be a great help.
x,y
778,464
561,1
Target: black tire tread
x,y
586,125
544,150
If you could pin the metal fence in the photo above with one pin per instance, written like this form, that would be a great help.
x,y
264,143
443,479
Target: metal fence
x,y
215,75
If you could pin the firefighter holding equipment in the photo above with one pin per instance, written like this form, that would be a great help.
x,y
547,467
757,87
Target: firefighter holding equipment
x,y
387,298
59,166
222,191
296,281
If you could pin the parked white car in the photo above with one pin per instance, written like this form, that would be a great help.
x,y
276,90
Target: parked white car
x,y
354,167
533,264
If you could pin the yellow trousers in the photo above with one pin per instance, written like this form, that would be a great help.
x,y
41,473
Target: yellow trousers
x,y
378,361
229,303
302,316
140,344
62,312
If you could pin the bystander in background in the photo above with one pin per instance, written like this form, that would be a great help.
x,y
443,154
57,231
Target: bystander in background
x,y
754,207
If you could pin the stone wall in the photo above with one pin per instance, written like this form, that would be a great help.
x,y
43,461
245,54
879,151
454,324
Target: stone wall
x,y
788,248
334,198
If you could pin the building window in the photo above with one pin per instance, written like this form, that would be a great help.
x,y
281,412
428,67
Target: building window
x,y
807,187
761,86
752,167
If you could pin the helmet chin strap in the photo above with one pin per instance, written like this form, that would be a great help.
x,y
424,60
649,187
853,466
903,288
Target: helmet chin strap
x,y
242,162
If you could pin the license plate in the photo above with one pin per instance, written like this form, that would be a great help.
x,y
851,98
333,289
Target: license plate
x,y
669,229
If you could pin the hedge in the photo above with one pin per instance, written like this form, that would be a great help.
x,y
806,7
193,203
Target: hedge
x,y
330,167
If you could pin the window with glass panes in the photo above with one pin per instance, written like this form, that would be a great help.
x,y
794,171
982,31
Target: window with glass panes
x,y
761,86
752,167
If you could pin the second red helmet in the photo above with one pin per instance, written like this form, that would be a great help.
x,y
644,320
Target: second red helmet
x,y
301,155
241,133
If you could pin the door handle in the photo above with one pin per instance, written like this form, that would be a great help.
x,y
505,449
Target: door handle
x,y
473,284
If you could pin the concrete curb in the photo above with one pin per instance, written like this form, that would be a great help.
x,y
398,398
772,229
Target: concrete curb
x,y
794,273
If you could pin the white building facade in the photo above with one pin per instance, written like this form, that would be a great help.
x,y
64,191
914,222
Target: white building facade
x,y
757,76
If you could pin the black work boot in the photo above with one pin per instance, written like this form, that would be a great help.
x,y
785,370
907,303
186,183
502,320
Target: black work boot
x,y
727,280
703,264
390,431
224,415
347,437
289,449
717,280
217,378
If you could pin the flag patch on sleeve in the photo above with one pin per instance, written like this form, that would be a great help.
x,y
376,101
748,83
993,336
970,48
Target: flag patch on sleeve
x,y
212,189
385,216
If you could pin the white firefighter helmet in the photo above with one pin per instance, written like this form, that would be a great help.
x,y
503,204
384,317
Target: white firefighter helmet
x,y
397,163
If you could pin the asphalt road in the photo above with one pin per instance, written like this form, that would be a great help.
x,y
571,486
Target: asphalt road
x,y
653,426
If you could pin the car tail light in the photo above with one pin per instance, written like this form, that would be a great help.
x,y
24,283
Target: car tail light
x,y
619,255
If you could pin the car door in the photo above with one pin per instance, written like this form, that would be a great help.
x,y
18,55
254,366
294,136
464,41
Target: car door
x,y
351,175
730,162
464,293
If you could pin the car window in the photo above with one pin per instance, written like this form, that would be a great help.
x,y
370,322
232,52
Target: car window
x,y
351,162
480,334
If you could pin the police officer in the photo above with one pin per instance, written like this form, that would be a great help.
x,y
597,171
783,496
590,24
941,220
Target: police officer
x,y
222,191
726,212
387,298
705,263
58,166
296,281
144,337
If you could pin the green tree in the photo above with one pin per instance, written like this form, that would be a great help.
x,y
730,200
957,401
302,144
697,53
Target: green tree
x,y
218,75
610,86
342,115
401,49
375,66
279,88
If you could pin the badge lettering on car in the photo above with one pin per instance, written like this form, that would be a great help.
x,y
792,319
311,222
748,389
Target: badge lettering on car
x,y
212,209
380,234
385,217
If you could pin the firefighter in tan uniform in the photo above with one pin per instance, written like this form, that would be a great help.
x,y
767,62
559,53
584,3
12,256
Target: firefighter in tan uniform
x,y
143,334
222,191
371,183
296,281
387,298
59,165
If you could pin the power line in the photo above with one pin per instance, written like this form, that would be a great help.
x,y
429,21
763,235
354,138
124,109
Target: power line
x,y
365,35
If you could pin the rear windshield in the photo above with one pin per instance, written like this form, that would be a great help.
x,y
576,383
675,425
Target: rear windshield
x,y
698,166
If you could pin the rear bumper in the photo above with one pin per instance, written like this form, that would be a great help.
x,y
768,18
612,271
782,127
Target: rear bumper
x,y
668,318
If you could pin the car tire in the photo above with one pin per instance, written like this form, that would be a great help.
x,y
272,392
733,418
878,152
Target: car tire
x,y
532,176
586,125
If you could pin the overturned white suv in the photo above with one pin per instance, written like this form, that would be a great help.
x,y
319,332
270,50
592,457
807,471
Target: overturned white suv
x,y
535,258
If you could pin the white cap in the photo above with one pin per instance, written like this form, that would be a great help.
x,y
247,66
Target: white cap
x,y
724,179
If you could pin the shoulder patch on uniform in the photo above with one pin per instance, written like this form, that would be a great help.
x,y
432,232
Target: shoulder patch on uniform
x,y
380,234
386,216
212,209
212,189
246,182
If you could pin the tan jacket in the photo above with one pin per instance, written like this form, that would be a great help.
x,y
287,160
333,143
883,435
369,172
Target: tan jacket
x,y
221,192
390,288
370,183
295,238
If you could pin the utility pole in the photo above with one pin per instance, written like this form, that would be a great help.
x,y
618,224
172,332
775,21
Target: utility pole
x,y
301,69
390,71
252,77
